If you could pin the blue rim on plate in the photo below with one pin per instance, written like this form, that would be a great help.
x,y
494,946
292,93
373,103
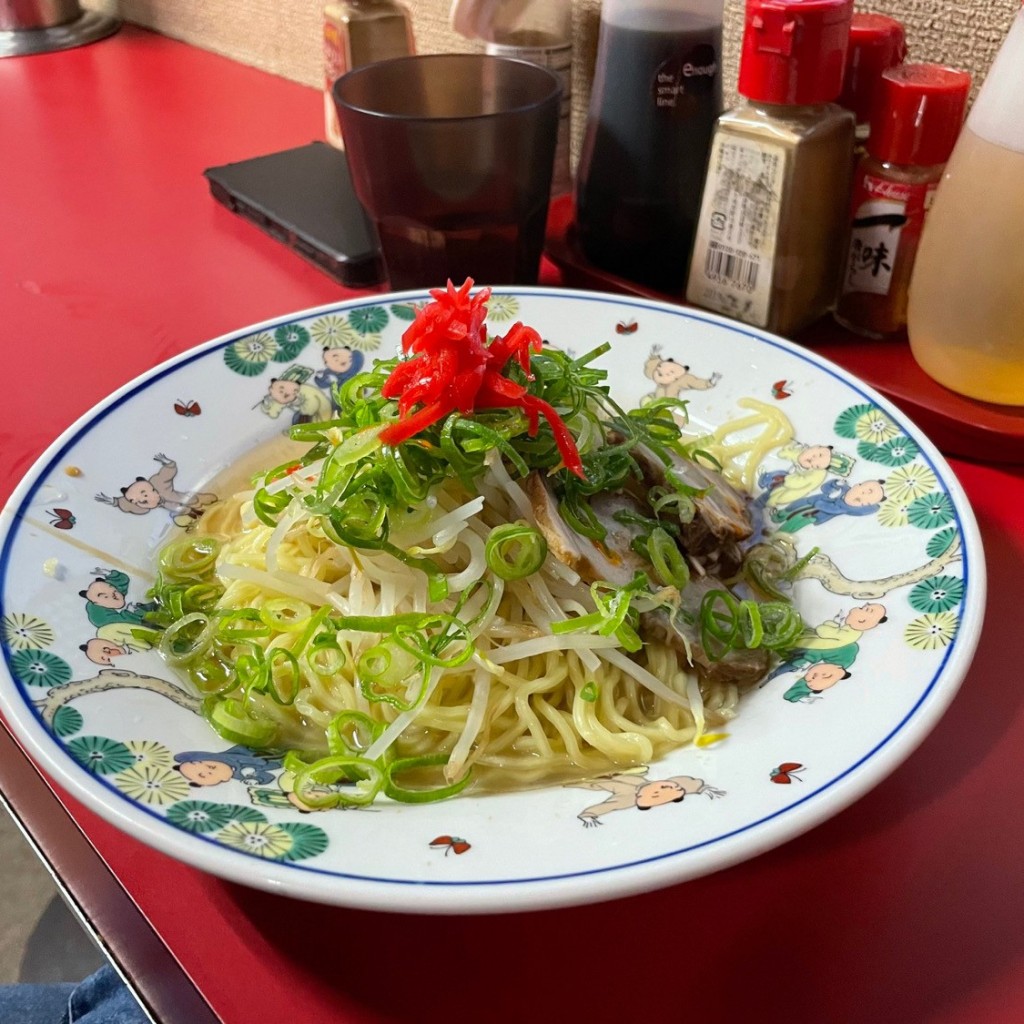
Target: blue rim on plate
x,y
117,738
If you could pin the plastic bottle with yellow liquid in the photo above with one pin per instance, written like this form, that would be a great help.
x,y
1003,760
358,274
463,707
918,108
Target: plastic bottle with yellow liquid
x,y
965,317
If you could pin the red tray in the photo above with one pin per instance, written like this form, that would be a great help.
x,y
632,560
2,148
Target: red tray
x,y
958,425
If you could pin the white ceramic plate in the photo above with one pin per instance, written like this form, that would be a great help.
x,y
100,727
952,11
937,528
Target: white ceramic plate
x,y
800,750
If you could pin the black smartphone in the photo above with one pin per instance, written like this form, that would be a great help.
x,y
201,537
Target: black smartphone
x,y
304,198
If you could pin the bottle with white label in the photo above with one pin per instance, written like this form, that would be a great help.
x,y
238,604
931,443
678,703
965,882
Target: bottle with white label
x,y
538,31
768,249
656,95
358,32
916,119
966,307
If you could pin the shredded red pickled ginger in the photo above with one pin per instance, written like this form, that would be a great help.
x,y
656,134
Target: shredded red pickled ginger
x,y
450,367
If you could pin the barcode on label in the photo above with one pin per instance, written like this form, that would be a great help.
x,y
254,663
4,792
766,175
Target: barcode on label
x,y
730,268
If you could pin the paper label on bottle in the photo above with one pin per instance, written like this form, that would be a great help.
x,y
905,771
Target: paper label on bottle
x,y
733,255
336,62
883,212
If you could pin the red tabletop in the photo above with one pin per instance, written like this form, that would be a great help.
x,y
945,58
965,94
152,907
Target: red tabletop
x,y
905,907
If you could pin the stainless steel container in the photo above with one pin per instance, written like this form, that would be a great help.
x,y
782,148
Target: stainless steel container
x,y
40,26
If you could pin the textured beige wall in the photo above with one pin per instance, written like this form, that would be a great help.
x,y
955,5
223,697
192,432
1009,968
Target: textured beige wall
x,y
283,36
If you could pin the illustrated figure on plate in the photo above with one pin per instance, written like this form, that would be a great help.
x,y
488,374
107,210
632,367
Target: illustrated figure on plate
x,y
818,678
825,653
116,620
835,498
211,767
627,790
144,494
292,392
811,466
341,363
672,378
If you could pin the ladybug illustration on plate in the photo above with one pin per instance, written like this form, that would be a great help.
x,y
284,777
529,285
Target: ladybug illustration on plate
x,y
787,772
450,844
61,518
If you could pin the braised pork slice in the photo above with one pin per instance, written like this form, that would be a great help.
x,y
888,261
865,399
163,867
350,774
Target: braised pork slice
x,y
721,520
613,560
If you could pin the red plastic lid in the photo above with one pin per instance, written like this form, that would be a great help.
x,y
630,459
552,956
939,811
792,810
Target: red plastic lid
x,y
794,51
919,113
877,42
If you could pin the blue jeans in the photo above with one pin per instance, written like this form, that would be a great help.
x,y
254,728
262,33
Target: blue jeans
x,y
103,998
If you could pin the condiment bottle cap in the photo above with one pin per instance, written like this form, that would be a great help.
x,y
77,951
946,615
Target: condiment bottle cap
x,y
794,51
877,42
918,114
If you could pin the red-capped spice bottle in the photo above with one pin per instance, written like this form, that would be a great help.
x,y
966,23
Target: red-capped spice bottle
x,y
776,194
917,119
877,43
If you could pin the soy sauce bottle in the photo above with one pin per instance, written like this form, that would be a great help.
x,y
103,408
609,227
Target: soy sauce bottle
x,y
656,95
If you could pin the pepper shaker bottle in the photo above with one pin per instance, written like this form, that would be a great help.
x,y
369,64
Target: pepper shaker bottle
x,y
774,210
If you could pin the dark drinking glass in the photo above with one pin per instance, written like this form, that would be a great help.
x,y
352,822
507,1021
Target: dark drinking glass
x,y
451,155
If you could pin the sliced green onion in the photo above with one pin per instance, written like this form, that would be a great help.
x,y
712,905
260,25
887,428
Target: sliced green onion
x,y
232,721
427,649
396,791
267,507
411,485
578,514
437,582
314,783
241,624
719,623
753,627
369,689
614,616
477,437
514,551
189,557
202,596
667,559
186,639
352,732
386,665
782,625
358,521
313,624
794,571
324,656
285,614
356,446
251,671
214,673
284,679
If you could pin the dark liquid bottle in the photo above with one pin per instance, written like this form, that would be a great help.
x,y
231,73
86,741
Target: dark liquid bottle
x,y
657,92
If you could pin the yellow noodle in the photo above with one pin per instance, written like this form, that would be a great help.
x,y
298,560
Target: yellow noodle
x,y
551,716
741,452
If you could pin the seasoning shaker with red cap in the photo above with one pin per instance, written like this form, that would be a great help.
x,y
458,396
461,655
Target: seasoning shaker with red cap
x,y
877,43
775,201
918,114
